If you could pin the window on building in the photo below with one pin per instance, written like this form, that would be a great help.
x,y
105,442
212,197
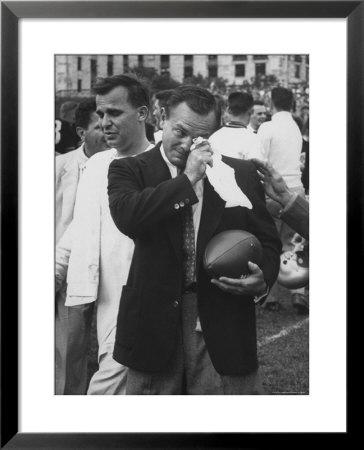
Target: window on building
x,y
297,71
259,69
125,63
240,70
298,58
239,57
188,71
188,66
79,85
93,70
140,61
259,57
212,66
110,65
79,63
212,71
165,64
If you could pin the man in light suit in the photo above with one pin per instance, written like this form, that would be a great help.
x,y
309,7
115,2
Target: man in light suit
x,y
71,354
195,336
93,256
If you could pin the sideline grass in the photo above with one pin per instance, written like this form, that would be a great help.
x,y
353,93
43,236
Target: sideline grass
x,y
284,363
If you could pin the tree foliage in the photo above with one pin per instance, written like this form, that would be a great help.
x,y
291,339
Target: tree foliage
x,y
154,80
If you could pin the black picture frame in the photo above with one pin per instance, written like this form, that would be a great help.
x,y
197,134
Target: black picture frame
x,y
11,12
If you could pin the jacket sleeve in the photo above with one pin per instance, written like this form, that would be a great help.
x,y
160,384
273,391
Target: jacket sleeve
x,y
263,227
135,207
296,215
62,256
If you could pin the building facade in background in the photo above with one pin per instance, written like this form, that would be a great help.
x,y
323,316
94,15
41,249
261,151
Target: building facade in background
x,y
75,74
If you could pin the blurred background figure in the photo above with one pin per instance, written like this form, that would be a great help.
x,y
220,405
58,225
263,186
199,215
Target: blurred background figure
x,y
294,208
221,104
294,212
70,166
234,139
71,346
66,138
259,115
160,101
281,141
305,155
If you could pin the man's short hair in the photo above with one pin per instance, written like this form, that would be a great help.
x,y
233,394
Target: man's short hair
x,y
200,100
67,111
138,94
282,98
258,103
163,96
240,103
84,112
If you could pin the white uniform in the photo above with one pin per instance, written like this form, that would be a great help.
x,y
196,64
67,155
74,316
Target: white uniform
x,y
237,142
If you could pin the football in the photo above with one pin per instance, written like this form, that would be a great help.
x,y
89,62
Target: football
x,y
227,254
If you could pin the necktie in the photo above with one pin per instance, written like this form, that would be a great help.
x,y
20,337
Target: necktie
x,y
188,246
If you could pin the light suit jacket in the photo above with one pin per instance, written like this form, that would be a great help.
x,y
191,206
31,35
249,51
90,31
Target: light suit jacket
x,y
67,178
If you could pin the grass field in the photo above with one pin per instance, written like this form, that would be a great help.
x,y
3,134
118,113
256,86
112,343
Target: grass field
x,y
283,349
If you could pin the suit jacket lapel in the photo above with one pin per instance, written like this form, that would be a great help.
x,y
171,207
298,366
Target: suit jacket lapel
x,y
156,171
212,210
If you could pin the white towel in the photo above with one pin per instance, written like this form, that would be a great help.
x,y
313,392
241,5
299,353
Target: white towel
x,y
222,178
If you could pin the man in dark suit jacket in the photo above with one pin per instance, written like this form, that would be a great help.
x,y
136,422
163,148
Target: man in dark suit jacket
x,y
199,338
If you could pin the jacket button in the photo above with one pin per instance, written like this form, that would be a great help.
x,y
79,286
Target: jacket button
x,y
175,303
176,206
181,204
187,201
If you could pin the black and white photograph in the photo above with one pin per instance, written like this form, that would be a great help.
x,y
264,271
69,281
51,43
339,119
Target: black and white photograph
x,y
181,238
182,224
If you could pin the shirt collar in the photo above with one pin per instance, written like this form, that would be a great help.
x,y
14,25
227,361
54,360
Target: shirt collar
x,y
173,169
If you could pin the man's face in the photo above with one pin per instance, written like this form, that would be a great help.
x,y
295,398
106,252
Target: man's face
x,y
179,130
259,116
118,119
94,137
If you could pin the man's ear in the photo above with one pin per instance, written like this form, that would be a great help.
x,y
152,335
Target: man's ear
x,y
163,117
81,133
143,113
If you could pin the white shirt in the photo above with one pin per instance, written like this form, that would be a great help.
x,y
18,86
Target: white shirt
x,y
236,142
281,141
198,188
251,129
158,136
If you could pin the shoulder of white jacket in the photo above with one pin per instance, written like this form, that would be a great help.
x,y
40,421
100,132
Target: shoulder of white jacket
x,y
100,157
63,162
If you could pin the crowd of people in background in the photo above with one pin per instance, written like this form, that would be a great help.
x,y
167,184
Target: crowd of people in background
x,y
94,258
